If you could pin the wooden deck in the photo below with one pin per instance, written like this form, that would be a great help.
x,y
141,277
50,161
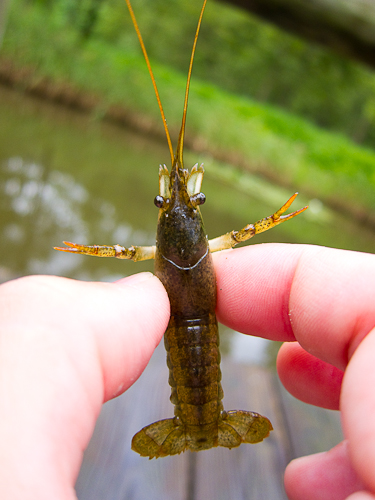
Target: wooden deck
x,y
112,471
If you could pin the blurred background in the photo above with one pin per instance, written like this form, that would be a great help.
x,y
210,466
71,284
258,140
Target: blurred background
x,y
270,113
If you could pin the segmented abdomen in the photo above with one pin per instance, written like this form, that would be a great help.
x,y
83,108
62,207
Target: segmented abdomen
x,y
200,423
193,359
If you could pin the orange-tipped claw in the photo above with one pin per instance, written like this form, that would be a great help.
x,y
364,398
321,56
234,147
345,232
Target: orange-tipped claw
x,y
74,248
293,214
285,207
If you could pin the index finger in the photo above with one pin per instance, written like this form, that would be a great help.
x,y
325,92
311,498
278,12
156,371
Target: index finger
x,y
322,297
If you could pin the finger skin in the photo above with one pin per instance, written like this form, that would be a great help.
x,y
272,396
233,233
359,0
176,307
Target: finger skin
x,y
81,347
308,378
361,495
65,348
323,299
358,409
324,476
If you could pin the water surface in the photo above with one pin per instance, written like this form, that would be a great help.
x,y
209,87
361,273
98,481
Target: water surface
x,y
66,176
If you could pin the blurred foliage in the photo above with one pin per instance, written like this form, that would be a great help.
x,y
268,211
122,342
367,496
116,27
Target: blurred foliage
x,y
243,55
237,52
98,52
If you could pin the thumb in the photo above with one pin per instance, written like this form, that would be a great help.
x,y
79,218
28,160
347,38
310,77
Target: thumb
x,y
66,347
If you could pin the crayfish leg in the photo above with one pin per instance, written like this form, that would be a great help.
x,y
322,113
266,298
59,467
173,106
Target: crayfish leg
x,y
231,239
133,253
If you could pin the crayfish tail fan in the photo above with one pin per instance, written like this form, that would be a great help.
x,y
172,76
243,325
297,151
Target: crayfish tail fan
x,y
160,439
239,426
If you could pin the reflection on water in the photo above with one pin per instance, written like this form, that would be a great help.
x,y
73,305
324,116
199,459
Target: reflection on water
x,y
66,177
51,200
37,203
55,184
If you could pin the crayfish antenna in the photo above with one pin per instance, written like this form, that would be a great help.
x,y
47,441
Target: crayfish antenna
x,y
178,158
180,144
135,24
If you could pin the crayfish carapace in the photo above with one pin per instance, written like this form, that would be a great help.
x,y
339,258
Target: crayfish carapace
x,y
184,265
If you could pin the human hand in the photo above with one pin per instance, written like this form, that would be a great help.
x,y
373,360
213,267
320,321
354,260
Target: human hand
x,y
87,342
325,300
66,347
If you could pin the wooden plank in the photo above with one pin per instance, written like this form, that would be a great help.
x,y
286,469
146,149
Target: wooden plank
x,y
251,471
310,429
111,470
256,471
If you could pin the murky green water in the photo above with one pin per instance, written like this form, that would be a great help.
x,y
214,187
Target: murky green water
x,y
64,176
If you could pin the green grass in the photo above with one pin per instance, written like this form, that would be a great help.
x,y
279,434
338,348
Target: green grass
x,y
263,138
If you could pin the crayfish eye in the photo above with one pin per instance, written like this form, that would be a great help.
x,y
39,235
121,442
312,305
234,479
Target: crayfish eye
x,y
197,199
159,201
